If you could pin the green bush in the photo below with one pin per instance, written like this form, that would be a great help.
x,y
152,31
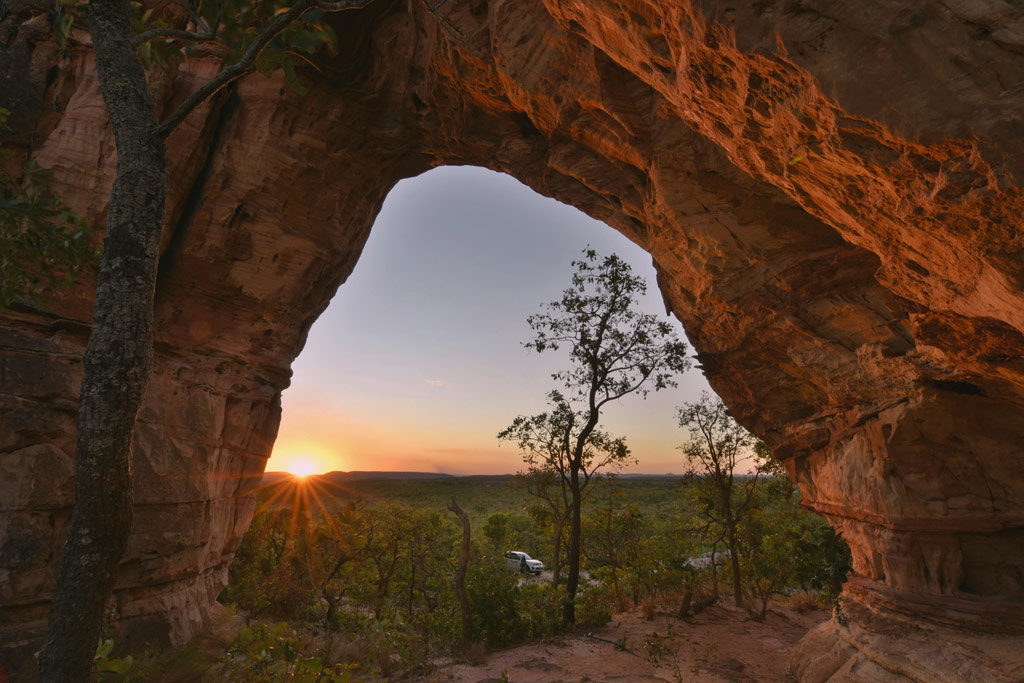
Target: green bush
x,y
276,653
540,608
594,606
493,596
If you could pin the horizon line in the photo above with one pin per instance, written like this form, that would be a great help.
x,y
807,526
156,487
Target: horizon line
x,y
466,474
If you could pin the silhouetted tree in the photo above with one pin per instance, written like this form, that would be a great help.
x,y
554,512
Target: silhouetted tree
x,y
614,351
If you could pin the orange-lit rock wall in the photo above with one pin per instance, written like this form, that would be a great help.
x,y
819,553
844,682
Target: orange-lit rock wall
x,y
831,193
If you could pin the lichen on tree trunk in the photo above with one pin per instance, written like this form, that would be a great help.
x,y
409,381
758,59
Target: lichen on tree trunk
x,y
117,358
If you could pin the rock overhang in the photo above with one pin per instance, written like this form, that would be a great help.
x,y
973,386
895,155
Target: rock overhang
x,y
833,210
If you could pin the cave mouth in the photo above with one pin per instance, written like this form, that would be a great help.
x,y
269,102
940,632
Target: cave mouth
x,y
417,362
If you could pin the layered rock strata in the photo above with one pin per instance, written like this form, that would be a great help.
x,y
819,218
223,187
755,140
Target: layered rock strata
x,y
831,195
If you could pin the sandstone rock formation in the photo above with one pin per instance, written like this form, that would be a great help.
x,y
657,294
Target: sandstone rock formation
x,y
831,192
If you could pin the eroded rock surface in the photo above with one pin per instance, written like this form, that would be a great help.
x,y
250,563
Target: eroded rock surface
x,y
831,193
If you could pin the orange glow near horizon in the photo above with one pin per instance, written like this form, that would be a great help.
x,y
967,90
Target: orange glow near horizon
x,y
301,468
317,441
303,458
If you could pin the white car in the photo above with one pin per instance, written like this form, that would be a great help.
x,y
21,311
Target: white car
x,y
518,561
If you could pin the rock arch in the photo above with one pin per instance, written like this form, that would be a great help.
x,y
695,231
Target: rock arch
x,y
831,196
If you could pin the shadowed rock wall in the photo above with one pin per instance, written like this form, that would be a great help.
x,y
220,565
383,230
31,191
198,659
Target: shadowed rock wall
x,y
831,195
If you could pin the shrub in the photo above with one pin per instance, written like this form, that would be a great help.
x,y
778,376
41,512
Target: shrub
x,y
265,653
594,606
493,594
540,607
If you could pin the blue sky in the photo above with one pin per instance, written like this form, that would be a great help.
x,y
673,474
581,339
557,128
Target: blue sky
x,y
418,362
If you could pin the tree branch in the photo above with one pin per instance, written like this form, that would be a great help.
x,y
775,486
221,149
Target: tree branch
x,y
248,60
197,19
152,33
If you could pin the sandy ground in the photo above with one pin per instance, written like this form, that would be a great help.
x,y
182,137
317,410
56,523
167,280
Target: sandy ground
x,y
721,644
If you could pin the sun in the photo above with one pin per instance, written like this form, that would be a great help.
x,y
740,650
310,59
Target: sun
x,y
303,458
302,468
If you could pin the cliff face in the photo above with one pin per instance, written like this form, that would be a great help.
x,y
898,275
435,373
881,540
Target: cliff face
x,y
832,197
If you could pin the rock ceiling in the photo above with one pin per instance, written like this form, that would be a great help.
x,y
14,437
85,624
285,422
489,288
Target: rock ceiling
x,y
831,193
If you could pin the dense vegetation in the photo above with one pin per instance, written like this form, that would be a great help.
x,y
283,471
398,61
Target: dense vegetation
x,y
360,578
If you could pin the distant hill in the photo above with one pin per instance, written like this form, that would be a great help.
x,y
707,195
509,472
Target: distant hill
x,y
337,477
641,475
367,476
271,478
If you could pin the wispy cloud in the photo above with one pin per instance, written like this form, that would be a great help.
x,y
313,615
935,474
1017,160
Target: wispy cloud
x,y
435,383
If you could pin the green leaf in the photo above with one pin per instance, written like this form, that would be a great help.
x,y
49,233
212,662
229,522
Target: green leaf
x,y
288,67
120,666
145,53
103,648
62,28
267,61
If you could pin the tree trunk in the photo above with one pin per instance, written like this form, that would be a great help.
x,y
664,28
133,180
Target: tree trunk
x,y
460,575
412,585
613,560
684,608
734,559
556,570
714,569
117,357
327,593
332,609
732,541
573,579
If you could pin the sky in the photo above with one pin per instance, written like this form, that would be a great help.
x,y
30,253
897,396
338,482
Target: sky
x,y
419,362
